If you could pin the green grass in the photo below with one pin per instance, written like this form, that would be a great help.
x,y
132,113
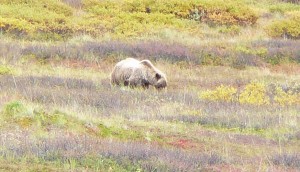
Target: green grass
x,y
34,118
34,164
4,70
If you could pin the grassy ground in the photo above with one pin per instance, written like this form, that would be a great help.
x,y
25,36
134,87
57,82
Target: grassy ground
x,y
232,102
66,116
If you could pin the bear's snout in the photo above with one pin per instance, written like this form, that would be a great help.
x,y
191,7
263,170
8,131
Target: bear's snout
x,y
161,85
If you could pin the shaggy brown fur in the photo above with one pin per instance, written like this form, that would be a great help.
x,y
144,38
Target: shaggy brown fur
x,y
135,73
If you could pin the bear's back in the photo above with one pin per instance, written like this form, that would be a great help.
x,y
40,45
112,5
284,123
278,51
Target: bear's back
x,y
129,63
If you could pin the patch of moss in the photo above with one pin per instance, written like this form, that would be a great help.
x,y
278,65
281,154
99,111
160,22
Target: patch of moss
x,y
13,109
105,131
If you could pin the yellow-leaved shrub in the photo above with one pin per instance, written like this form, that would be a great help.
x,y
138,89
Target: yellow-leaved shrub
x,y
221,93
287,28
55,19
16,26
254,93
286,98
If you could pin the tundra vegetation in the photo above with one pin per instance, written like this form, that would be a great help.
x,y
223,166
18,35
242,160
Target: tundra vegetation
x,y
232,102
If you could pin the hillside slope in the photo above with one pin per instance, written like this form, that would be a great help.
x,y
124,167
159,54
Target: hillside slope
x,y
145,18
232,102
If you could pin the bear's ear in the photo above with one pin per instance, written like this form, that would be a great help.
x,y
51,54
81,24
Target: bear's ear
x,y
157,76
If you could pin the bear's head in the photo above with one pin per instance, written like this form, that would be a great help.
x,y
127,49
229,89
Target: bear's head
x,y
161,81
155,76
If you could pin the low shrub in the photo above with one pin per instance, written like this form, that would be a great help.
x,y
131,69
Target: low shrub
x,y
221,93
209,11
15,26
54,20
35,17
286,98
229,13
255,93
287,28
50,5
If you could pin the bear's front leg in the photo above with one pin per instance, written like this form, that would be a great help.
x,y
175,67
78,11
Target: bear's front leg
x,y
137,82
131,82
145,83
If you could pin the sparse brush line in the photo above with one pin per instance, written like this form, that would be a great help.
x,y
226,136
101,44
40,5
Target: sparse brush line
x,y
47,82
255,53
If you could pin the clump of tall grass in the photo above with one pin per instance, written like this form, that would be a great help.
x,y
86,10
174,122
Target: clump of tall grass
x,y
287,159
278,51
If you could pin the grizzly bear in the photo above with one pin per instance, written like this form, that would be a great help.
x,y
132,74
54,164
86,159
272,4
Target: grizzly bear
x,y
134,73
